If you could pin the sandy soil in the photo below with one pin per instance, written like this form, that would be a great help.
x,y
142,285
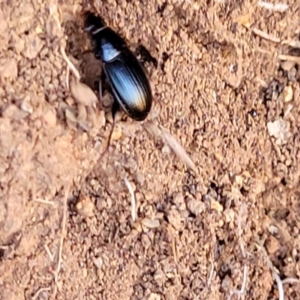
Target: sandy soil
x,y
226,87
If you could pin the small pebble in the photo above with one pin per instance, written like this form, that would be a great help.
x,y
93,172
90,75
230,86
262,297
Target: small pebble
x,y
149,223
70,101
288,94
215,205
50,117
117,133
26,105
85,206
195,206
33,46
9,69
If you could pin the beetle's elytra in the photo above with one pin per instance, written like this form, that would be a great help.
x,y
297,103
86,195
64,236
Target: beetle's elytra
x,y
124,73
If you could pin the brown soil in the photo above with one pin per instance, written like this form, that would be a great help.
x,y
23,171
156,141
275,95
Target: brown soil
x,y
221,89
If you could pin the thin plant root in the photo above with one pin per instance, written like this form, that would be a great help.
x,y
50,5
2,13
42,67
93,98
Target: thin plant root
x,y
69,63
211,274
274,273
243,288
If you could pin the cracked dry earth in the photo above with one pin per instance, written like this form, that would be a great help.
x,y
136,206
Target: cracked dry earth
x,y
226,87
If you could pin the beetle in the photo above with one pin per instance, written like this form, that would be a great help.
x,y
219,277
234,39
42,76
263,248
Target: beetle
x,y
126,76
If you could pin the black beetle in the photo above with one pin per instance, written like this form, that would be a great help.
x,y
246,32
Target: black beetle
x,y
124,73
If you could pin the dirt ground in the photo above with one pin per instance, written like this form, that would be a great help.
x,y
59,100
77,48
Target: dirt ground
x,y
226,87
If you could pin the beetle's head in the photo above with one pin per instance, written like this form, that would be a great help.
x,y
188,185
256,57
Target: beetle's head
x,y
93,23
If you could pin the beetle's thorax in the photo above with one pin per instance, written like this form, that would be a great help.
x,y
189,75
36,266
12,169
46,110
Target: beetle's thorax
x,y
107,44
108,51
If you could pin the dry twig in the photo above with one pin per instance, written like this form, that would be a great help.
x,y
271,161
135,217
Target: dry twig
x,y
290,281
265,35
242,212
160,131
289,57
49,252
63,231
40,200
211,274
281,7
133,202
61,242
291,43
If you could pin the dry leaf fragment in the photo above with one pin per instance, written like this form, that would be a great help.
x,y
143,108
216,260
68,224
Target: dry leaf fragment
x,y
280,130
82,93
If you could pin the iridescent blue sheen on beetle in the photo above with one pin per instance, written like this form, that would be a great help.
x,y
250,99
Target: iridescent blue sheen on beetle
x,y
126,76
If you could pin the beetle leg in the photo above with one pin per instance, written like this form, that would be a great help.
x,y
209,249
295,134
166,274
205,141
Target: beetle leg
x,y
145,55
102,79
115,108
100,90
96,85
